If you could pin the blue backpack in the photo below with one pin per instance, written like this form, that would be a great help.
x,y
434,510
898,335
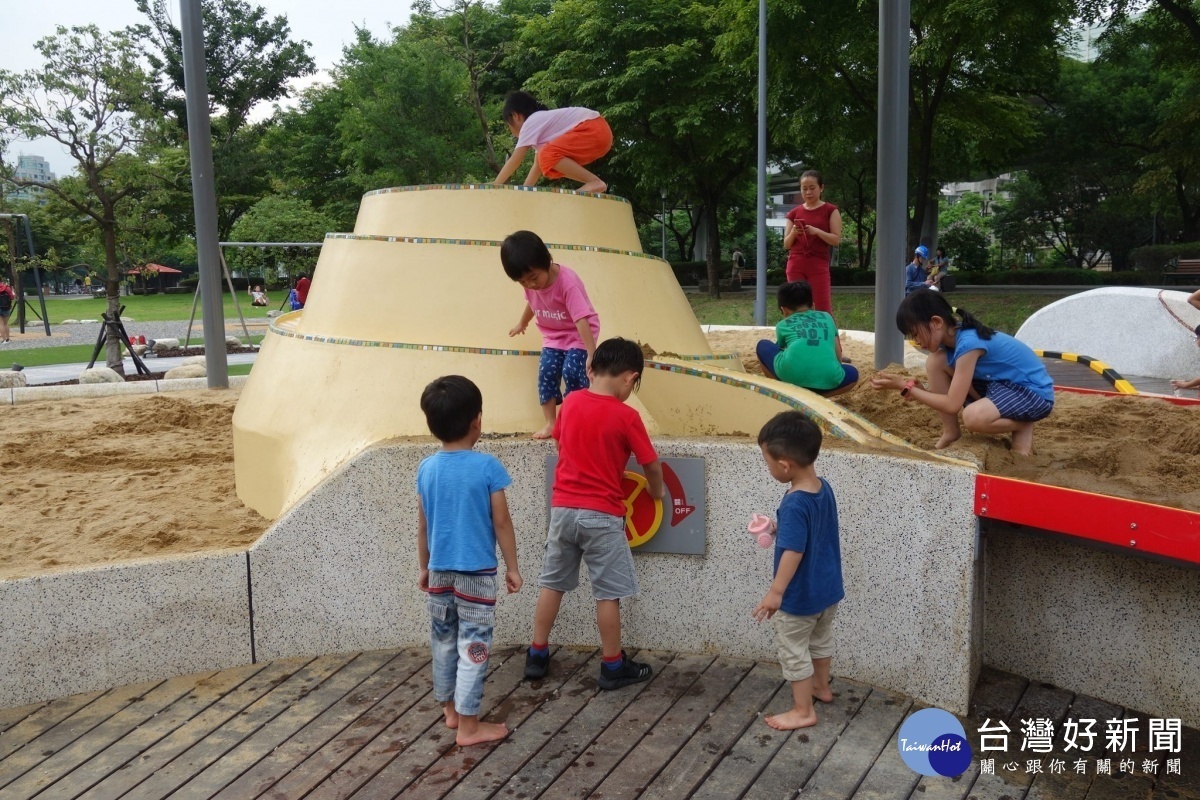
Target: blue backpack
x,y
294,300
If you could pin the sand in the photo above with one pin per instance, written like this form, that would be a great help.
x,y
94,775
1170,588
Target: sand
x,y
1133,447
113,478
98,480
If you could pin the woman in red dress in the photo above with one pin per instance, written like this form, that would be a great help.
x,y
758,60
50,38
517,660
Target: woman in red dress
x,y
810,229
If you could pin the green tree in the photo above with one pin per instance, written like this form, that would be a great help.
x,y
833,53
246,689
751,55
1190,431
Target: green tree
x,y
683,118
279,219
85,97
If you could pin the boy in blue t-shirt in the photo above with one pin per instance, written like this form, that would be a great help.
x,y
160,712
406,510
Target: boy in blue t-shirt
x,y
803,597
462,515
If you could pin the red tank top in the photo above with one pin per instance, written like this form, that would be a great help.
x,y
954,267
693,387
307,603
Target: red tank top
x,y
809,245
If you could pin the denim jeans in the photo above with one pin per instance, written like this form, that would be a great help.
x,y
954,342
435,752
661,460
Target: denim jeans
x,y
462,611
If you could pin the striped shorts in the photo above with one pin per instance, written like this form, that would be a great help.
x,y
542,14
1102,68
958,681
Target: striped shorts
x,y
1013,401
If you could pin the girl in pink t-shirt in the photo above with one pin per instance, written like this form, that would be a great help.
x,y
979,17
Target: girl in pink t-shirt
x,y
557,300
565,139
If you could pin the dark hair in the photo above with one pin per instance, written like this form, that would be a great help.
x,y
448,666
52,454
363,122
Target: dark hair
x,y
522,252
924,304
1197,331
616,355
794,294
941,251
791,435
814,174
451,403
522,103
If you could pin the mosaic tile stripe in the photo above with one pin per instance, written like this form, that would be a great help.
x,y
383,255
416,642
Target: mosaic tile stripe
x,y
791,402
449,348
426,187
581,248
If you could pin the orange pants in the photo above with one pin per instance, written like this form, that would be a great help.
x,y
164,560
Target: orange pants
x,y
583,144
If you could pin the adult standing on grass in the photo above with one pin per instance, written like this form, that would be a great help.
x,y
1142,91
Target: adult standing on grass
x,y
302,284
810,229
8,299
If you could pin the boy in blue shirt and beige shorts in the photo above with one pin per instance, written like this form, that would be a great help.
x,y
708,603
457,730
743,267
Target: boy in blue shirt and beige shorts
x,y
807,587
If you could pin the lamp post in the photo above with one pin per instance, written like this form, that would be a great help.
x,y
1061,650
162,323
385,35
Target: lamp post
x,y
663,220
760,249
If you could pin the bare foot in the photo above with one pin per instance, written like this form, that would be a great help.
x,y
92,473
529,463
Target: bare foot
x,y
824,695
451,715
791,720
1022,441
486,732
947,440
597,186
545,432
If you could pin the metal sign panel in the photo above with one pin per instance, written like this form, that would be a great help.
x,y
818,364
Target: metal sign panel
x,y
675,524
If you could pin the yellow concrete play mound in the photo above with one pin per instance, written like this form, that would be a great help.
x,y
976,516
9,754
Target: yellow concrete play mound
x,y
406,298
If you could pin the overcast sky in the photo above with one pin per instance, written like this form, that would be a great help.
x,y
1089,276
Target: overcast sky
x,y
327,25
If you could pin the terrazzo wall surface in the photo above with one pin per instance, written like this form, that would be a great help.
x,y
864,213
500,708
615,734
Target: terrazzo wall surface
x,y
1103,624
1161,345
338,572
82,630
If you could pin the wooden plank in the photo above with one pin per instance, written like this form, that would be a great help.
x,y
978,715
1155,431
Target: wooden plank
x,y
104,763
434,742
741,764
41,721
111,730
396,738
1114,788
630,776
1187,785
64,733
320,731
1069,784
11,716
802,752
353,739
558,754
851,757
996,694
196,729
239,744
537,732
889,778
691,765
617,740
447,771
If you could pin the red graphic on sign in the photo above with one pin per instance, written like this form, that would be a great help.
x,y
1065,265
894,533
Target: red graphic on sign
x,y
477,652
679,505
643,513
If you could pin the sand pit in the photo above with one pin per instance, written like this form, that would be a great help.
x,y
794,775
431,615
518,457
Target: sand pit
x,y
114,478
107,479
1130,447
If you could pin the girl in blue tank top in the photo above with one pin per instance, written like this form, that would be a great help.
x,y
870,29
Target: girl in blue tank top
x,y
998,383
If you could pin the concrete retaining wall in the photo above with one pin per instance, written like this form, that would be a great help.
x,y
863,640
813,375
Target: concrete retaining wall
x,y
338,572
1104,624
82,630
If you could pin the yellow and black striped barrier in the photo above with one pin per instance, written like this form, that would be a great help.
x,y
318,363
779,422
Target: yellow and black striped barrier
x,y
1095,365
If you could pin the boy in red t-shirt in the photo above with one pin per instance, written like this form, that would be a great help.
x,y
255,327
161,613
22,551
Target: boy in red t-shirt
x,y
596,434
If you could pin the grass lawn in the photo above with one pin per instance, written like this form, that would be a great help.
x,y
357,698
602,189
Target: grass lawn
x,y
1004,312
145,308
80,353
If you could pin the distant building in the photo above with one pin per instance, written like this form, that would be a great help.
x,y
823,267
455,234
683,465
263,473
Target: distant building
x,y
30,168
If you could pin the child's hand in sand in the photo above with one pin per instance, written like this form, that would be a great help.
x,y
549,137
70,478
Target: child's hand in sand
x,y
882,380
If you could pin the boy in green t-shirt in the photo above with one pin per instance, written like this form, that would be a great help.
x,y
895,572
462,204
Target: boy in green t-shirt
x,y
806,351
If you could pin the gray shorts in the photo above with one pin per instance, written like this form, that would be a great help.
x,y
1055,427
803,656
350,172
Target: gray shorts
x,y
599,540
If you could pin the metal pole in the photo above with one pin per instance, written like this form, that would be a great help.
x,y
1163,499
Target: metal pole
x,y
760,283
204,197
892,179
37,276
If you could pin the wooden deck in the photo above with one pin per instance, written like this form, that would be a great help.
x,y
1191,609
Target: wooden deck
x,y
365,726
1080,376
